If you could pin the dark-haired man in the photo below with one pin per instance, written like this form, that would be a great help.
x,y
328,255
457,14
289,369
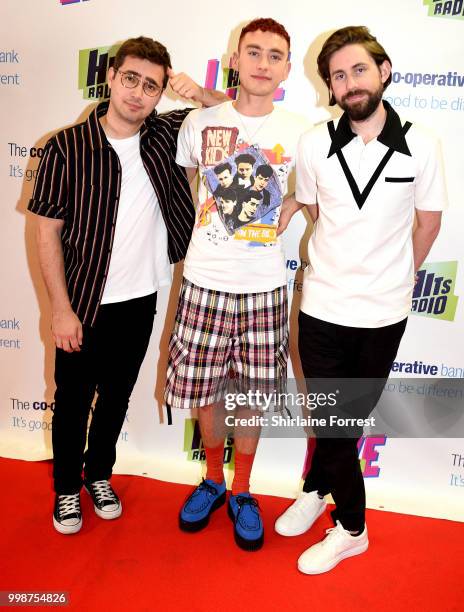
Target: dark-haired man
x,y
226,198
114,210
232,314
249,203
245,163
224,174
364,179
244,210
260,181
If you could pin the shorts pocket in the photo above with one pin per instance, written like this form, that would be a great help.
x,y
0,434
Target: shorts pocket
x,y
177,351
282,359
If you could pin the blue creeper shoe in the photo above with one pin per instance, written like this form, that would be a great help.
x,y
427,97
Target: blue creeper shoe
x,y
244,512
206,498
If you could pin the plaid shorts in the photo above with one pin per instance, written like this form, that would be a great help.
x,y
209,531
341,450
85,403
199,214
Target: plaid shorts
x,y
222,337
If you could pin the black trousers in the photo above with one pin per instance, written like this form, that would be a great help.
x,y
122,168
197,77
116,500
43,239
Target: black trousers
x,y
108,363
330,351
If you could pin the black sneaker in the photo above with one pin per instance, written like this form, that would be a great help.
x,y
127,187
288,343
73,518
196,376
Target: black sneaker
x,y
105,501
67,515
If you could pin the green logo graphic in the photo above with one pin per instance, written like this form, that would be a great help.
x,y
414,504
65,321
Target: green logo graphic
x,y
93,72
452,9
434,291
193,444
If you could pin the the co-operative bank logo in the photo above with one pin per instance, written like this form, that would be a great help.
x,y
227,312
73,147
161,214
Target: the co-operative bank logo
x,y
93,71
452,9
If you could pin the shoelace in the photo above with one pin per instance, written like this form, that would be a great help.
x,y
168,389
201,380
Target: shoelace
x,y
301,503
68,504
103,491
207,487
250,521
332,534
247,501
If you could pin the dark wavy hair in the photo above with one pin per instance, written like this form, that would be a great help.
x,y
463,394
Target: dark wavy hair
x,y
351,35
144,48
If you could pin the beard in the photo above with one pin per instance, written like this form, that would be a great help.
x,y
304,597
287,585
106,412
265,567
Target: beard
x,y
359,111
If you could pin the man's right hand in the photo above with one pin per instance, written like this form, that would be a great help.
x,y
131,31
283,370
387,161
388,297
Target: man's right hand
x,y
289,207
67,331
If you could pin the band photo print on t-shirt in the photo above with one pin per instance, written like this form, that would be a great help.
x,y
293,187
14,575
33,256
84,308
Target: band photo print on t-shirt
x,y
245,189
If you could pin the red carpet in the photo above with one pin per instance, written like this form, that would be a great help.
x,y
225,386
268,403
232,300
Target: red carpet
x,y
143,562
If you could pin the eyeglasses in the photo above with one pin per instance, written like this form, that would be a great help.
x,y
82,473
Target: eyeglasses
x,y
131,80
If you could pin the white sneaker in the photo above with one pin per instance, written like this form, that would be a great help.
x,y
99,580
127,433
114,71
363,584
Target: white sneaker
x,y
301,515
339,544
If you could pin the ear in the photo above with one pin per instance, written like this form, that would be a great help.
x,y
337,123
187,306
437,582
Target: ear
x,y
288,67
234,61
385,70
111,76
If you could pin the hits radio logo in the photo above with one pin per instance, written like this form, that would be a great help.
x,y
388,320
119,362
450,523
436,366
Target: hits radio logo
x,y
453,9
93,72
193,444
434,291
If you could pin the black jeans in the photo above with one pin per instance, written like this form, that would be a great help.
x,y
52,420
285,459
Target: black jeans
x,y
108,363
329,351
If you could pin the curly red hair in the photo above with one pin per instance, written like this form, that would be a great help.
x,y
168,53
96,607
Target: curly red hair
x,y
265,25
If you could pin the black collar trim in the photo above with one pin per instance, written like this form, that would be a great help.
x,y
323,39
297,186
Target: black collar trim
x,y
392,134
361,197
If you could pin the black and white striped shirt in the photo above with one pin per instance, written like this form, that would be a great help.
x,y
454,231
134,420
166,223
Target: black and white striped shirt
x,y
79,181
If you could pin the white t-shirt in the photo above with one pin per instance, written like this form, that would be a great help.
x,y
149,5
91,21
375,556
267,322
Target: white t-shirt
x,y
234,246
361,271
139,262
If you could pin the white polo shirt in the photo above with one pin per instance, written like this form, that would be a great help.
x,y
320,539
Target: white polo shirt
x,y
361,267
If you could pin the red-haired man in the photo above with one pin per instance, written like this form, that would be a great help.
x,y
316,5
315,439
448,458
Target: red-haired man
x,y
232,313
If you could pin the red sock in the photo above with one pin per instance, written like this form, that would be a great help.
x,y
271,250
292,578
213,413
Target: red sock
x,y
243,465
214,463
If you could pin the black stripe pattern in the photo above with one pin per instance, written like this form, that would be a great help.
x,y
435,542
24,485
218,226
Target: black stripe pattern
x,y
79,181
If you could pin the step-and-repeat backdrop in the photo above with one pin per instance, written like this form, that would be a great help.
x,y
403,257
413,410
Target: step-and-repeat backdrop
x,y
54,55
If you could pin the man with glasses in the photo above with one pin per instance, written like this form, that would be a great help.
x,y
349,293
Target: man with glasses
x,y
114,210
